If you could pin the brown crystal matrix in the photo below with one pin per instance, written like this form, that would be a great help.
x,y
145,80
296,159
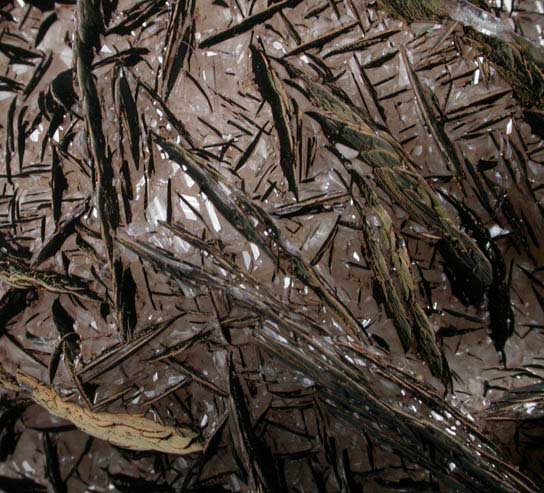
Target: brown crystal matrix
x,y
266,246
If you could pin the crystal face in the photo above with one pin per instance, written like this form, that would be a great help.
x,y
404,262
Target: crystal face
x,y
271,246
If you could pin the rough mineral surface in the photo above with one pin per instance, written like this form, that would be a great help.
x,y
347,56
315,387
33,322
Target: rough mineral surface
x,y
299,242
